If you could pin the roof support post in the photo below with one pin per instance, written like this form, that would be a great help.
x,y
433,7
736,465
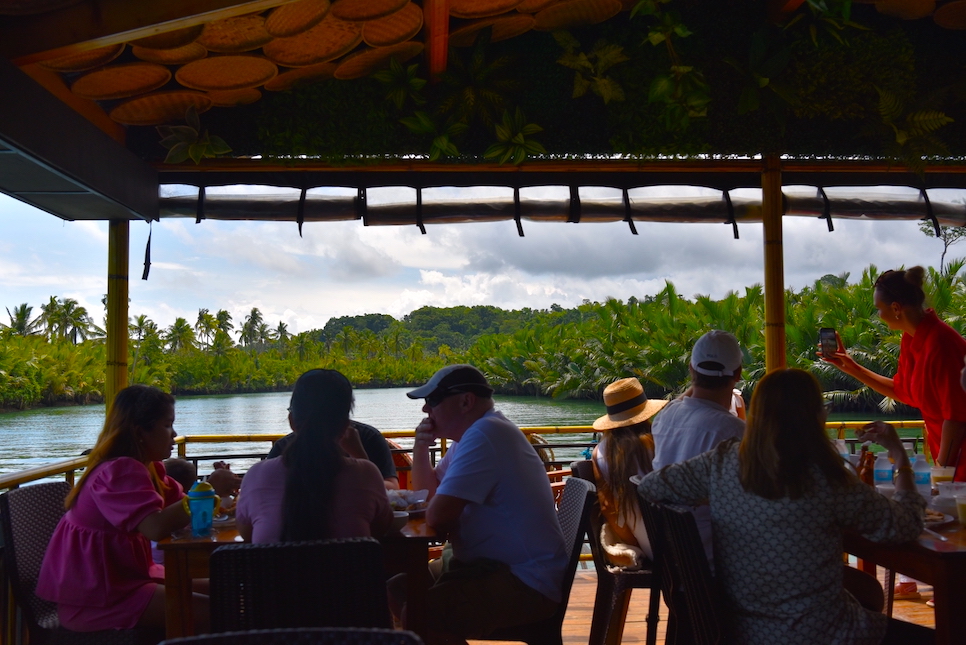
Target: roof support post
x,y
118,246
771,206
436,18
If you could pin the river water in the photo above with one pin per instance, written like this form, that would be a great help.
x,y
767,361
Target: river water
x,y
40,436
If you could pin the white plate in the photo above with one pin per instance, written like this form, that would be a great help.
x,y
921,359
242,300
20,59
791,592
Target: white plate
x,y
217,519
946,520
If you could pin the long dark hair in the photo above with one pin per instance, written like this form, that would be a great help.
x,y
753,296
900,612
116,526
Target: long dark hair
x,y
785,438
319,411
625,456
136,408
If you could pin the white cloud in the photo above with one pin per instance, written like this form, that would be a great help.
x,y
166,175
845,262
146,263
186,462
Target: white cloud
x,y
345,268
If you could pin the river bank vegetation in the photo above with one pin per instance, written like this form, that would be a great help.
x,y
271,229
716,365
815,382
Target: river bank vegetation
x,y
58,356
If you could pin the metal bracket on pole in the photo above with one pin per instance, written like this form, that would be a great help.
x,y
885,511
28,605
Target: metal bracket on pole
x,y
200,213
930,215
516,210
627,213
731,213
419,211
300,216
826,209
574,216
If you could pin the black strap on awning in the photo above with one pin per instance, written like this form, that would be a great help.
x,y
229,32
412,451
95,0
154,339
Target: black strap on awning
x,y
362,210
627,213
731,213
419,211
147,254
574,216
300,216
200,213
930,215
826,209
516,210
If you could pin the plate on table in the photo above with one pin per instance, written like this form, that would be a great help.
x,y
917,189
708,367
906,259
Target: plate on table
x,y
933,520
218,519
418,512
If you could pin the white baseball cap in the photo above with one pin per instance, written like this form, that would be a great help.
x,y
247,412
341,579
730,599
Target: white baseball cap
x,y
717,353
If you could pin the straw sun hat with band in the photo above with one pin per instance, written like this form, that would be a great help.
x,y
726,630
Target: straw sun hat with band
x,y
626,405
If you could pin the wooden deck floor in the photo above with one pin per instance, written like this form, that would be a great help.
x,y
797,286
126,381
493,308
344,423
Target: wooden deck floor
x,y
576,629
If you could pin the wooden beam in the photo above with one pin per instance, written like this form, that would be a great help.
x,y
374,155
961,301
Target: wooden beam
x,y
98,23
771,206
118,244
90,110
436,18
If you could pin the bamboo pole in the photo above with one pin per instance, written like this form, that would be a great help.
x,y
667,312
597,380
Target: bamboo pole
x,y
771,204
115,377
436,19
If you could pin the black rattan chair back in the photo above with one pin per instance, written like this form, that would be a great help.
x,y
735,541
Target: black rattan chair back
x,y
572,514
614,587
304,636
29,516
325,583
690,590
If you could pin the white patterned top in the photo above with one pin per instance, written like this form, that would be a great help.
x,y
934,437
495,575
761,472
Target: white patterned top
x,y
779,562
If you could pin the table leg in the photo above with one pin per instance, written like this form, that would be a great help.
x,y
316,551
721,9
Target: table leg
x,y
179,620
949,593
418,582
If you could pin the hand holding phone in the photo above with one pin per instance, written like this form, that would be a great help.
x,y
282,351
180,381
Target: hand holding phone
x,y
828,342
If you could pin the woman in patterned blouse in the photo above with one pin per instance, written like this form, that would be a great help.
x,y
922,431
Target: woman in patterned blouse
x,y
780,500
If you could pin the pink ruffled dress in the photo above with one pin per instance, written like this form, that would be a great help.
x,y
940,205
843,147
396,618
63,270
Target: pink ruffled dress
x,y
98,567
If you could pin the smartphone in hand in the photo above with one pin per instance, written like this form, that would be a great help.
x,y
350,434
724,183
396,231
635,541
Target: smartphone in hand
x,y
827,341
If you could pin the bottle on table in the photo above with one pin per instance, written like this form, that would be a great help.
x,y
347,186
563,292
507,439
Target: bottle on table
x,y
866,466
882,470
920,472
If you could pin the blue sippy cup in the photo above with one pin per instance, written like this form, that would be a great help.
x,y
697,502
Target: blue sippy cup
x,y
201,501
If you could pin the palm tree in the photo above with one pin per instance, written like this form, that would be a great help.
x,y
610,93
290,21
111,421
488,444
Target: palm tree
x,y
73,322
223,321
49,316
20,321
141,327
180,335
205,326
250,328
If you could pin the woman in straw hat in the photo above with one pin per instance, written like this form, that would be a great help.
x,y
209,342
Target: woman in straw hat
x,y
625,449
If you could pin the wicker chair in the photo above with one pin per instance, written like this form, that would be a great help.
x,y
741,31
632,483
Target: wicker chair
x,y
304,636
574,509
614,588
690,591
326,583
29,516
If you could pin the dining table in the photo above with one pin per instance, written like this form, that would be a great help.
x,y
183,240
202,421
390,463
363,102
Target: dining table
x,y
932,560
186,558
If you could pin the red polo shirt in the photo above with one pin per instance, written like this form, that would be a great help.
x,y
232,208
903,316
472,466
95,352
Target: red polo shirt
x,y
928,379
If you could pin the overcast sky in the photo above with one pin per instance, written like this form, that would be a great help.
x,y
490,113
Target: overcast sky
x,y
345,268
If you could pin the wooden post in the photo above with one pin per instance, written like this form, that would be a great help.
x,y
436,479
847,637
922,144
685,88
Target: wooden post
x,y
771,202
115,377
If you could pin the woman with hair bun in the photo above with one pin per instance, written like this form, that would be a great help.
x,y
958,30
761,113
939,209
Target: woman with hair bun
x,y
930,359
314,491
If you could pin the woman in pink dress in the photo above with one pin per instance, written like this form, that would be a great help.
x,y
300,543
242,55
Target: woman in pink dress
x,y
98,566
314,491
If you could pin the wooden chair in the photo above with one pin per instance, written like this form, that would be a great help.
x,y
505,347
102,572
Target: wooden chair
x,y
304,636
29,516
614,588
572,514
325,583
696,615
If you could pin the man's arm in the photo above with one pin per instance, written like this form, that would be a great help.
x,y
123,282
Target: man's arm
x,y
443,514
424,475
950,443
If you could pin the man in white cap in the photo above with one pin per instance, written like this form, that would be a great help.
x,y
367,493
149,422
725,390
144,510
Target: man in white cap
x,y
491,496
698,422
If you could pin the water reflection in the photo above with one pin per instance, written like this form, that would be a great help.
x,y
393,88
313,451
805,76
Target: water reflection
x,y
38,437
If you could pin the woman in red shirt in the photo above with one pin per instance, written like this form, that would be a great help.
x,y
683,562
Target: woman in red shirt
x,y
930,359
